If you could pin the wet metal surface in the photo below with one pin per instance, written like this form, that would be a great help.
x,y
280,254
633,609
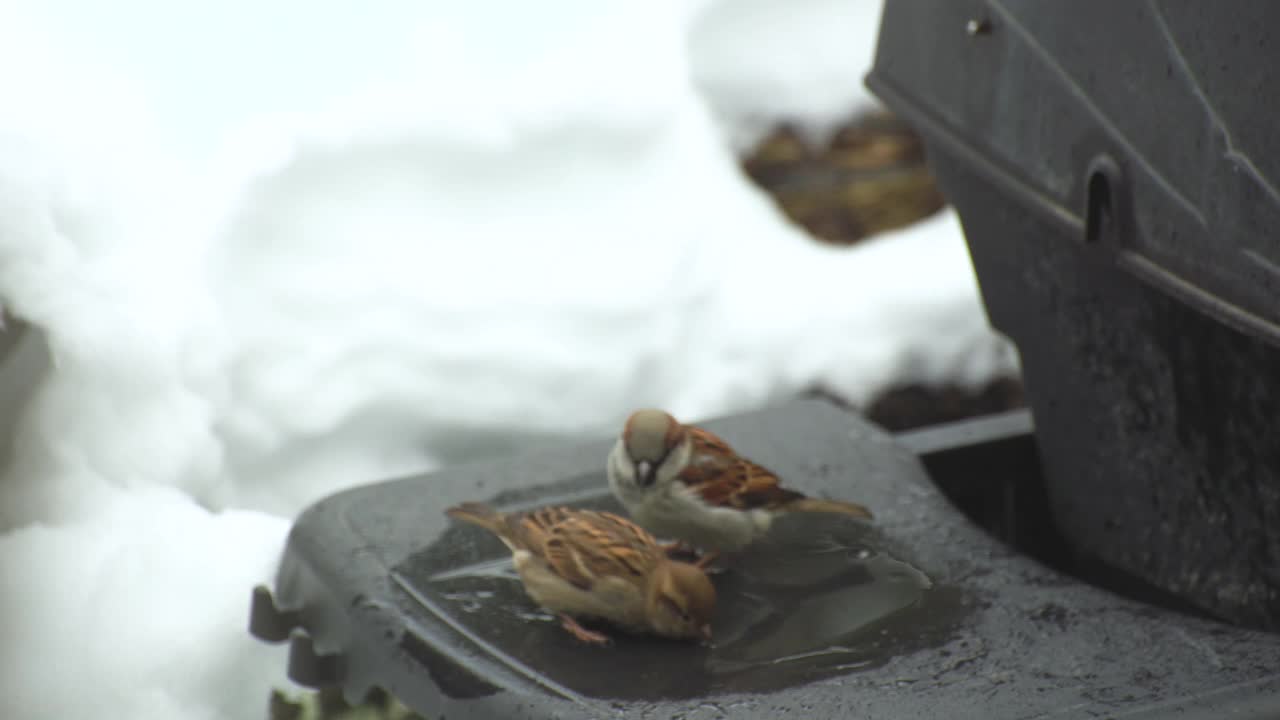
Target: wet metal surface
x,y
821,596
921,615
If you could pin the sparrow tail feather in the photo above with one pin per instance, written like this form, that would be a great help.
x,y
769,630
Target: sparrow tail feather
x,y
479,514
829,506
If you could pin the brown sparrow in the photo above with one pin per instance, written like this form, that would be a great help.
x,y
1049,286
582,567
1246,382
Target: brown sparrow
x,y
683,482
592,564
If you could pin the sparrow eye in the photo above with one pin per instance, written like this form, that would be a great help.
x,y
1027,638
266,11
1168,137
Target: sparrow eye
x,y
675,609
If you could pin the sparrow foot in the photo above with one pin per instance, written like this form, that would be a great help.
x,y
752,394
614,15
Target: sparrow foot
x,y
590,637
678,547
707,558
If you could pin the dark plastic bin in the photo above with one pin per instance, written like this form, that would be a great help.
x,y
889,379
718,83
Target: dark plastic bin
x,y
1116,168
919,616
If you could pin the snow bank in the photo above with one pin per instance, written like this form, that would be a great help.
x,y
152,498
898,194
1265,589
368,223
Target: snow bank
x,y
759,61
280,250
138,612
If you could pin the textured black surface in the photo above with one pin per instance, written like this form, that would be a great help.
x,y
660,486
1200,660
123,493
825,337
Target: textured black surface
x,y
1114,167
394,595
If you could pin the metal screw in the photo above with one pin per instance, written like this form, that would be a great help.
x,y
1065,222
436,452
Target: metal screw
x,y
977,26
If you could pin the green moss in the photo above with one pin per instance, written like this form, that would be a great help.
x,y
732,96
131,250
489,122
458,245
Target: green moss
x,y
328,704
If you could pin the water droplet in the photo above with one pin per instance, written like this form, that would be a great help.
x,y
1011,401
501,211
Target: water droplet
x,y
532,615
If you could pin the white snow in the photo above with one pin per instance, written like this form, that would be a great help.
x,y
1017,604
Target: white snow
x,y
804,60
280,249
137,612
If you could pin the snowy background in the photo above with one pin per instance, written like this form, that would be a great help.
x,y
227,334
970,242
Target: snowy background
x,y
281,248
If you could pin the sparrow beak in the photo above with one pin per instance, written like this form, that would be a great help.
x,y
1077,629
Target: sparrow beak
x,y
644,473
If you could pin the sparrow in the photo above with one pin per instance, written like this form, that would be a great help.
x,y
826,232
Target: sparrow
x,y
588,564
684,482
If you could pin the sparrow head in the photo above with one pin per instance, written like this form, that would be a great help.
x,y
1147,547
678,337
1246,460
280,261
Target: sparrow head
x,y
653,441
681,601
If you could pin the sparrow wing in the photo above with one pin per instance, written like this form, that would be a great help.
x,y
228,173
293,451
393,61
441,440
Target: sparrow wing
x,y
744,485
710,458
586,546
725,479
531,530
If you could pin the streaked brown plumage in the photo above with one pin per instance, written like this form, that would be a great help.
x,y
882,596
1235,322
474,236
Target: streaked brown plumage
x,y
687,483
585,563
726,479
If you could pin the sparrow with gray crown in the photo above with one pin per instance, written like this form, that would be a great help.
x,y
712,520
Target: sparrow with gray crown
x,y
685,483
